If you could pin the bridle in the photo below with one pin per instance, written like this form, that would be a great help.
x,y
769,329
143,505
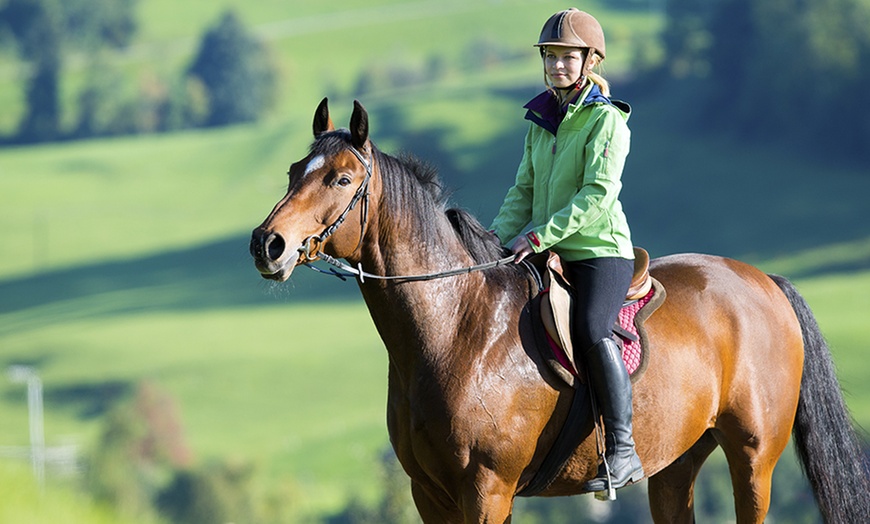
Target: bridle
x,y
310,248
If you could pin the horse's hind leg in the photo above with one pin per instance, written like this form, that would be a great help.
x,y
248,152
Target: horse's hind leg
x,y
751,460
672,490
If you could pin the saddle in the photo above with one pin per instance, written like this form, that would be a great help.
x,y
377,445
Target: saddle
x,y
555,302
550,312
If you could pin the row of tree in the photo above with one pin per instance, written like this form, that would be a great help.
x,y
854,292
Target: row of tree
x,y
231,79
788,70
143,467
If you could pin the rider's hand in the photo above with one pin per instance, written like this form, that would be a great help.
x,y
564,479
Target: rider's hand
x,y
521,248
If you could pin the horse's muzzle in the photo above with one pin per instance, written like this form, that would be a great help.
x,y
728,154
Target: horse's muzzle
x,y
271,256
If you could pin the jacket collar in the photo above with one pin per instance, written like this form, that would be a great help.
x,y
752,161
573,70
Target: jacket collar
x,y
546,111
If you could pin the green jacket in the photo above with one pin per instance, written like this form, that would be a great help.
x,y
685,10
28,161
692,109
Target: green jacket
x,y
568,182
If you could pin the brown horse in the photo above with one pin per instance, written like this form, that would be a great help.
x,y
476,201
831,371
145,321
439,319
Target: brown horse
x,y
738,360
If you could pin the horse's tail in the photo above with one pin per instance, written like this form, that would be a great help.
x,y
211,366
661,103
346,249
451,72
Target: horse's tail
x,y
827,445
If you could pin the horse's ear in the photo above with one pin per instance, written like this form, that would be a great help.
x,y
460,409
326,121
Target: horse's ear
x,y
322,122
359,126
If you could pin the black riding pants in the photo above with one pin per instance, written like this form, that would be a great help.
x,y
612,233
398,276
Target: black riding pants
x,y
600,285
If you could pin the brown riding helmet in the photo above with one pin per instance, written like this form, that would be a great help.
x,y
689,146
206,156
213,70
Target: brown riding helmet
x,y
573,28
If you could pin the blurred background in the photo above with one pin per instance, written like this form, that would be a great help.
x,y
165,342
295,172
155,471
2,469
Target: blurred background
x,y
149,375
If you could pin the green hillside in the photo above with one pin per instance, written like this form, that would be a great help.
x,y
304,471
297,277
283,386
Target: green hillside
x,y
126,259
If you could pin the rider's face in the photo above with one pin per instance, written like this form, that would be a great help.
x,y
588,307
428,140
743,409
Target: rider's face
x,y
563,65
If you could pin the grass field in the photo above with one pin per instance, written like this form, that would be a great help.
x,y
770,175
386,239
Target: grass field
x,y
24,503
298,404
126,260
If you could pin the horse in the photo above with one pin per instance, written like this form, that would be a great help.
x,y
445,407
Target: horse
x,y
738,360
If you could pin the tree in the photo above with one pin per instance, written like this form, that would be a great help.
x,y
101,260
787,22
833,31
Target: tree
x,y
98,23
42,28
236,71
774,69
686,38
218,492
813,57
37,31
141,444
733,40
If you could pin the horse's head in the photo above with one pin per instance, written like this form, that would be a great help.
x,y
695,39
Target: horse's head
x,y
319,213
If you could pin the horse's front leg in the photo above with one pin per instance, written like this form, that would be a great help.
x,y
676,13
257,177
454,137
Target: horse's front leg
x,y
485,500
434,507
672,490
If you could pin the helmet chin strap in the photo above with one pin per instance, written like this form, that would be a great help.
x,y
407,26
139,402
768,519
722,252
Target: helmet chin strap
x,y
579,84
565,93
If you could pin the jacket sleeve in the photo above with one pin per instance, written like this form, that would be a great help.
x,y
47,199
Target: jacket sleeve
x,y
516,210
600,184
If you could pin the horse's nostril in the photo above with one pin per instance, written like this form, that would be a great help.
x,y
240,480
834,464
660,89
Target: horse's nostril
x,y
255,246
275,246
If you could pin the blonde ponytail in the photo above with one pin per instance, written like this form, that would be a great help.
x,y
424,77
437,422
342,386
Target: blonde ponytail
x,y
597,78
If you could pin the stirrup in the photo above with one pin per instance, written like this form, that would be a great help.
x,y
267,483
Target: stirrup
x,y
610,487
610,492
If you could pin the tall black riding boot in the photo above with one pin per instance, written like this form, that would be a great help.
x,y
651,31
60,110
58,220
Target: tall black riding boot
x,y
612,389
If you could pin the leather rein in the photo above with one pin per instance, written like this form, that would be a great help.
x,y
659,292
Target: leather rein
x,y
310,248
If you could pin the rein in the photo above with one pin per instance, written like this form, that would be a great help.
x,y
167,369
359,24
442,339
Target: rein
x,y
310,247
358,272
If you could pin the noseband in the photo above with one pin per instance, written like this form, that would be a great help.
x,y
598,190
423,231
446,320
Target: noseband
x,y
310,248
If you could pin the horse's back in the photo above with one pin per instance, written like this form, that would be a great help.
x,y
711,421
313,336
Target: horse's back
x,y
726,347
726,291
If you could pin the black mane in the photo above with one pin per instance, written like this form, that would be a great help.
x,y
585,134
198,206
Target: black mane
x,y
414,187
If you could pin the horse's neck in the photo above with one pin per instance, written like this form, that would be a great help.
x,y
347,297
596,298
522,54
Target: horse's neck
x,y
419,314
418,320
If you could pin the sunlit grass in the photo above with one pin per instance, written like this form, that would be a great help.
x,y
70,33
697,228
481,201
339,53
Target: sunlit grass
x,y
23,502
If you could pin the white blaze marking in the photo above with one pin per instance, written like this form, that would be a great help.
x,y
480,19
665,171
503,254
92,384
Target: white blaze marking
x,y
315,164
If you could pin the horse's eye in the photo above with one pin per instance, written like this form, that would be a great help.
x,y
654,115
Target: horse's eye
x,y
343,181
